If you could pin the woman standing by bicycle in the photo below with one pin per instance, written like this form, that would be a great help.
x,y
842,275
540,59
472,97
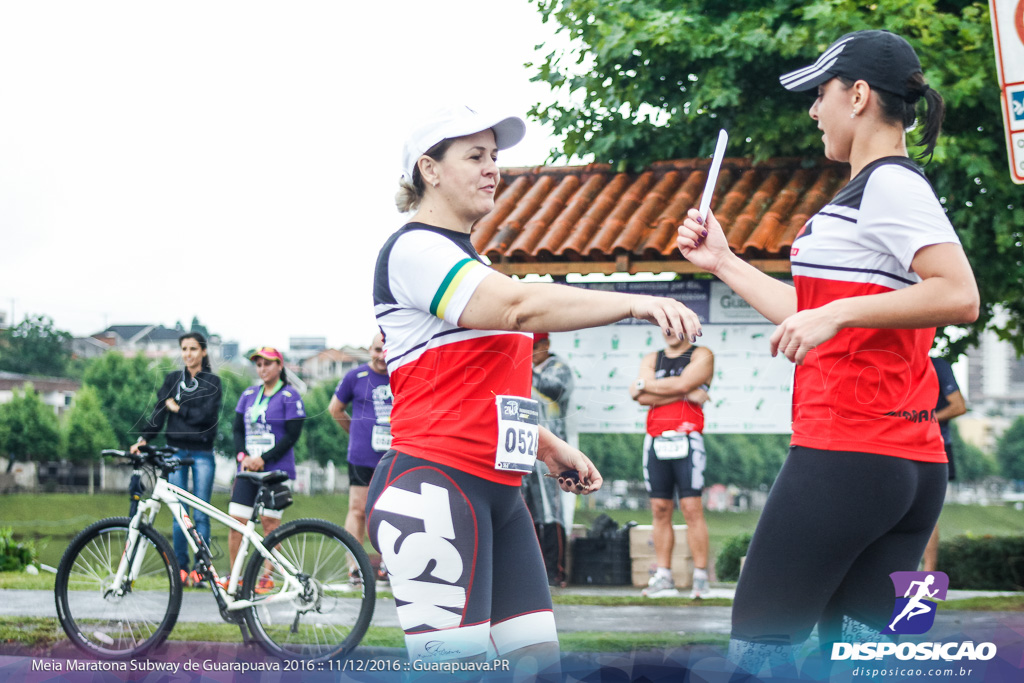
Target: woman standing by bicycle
x,y
268,423
444,508
189,402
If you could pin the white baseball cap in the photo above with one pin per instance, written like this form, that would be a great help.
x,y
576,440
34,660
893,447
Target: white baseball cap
x,y
456,122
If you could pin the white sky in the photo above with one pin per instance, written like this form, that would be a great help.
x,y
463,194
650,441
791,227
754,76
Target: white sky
x,y
231,160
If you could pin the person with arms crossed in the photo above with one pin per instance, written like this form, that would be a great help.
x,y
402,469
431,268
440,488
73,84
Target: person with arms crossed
x,y
874,272
444,507
950,404
189,402
367,389
268,423
673,383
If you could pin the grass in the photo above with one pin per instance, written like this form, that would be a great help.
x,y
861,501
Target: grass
x,y
51,520
38,636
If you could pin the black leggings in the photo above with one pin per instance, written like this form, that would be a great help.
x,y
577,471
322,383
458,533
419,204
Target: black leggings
x,y
835,526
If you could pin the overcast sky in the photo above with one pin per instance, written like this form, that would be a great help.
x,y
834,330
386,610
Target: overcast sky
x,y
231,160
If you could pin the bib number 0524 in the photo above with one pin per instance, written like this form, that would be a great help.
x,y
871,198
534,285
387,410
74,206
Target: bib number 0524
x,y
518,433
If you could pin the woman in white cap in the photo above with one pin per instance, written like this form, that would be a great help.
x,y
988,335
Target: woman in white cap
x,y
444,508
874,272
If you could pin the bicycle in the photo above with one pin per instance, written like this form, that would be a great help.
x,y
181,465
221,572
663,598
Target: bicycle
x,y
119,588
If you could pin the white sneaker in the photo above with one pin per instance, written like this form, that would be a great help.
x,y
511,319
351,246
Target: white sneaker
x,y
660,587
700,586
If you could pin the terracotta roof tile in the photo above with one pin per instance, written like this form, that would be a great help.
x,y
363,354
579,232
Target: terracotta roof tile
x,y
559,219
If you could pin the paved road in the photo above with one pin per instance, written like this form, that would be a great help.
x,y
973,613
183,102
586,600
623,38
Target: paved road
x,y
199,606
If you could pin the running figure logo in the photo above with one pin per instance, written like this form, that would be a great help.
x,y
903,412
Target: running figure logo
x,y
914,612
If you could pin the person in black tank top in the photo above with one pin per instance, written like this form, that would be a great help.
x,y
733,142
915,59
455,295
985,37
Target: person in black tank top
x,y
673,383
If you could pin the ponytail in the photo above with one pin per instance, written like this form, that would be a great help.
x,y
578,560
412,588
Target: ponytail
x,y
904,110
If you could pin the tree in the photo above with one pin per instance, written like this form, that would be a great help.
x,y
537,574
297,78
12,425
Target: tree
x,y
745,460
972,464
86,429
199,327
126,389
656,79
28,428
232,384
322,439
616,456
1010,451
35,347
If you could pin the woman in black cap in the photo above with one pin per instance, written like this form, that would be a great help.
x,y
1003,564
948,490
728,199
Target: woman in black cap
x,y
874,272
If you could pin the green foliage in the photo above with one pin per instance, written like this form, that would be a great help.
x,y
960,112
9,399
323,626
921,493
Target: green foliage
x,y
744,460
322,439
15,556
616,456
985,563
28,427
972,464
86,429
656,79
126,389
232,384
1010,451
35,347
727,566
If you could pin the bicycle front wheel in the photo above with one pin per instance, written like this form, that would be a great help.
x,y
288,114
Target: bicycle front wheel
x,y
125,620
316,613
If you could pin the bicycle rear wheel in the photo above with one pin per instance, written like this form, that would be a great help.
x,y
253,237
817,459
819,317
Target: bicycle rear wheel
x,y
95,617
326,615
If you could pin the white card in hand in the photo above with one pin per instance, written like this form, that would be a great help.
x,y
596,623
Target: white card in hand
x,y
716,165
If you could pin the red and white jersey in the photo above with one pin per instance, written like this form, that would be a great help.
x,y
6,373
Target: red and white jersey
x,y
444,378
869,390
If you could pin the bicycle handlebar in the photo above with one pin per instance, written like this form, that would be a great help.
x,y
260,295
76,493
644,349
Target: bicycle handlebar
x,y
151,455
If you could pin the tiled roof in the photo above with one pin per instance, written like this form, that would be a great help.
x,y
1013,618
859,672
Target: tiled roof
x,y
590,219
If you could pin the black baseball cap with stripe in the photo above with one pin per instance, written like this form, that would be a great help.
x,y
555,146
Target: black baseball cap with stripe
x,y
881,58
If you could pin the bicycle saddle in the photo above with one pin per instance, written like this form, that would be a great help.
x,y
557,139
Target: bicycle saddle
x,y
269,478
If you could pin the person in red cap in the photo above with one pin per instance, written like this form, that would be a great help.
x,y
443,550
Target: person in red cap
x,y
268,422
874,272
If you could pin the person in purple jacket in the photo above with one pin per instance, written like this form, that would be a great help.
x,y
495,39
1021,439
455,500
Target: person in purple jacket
x,y
367,389
268,423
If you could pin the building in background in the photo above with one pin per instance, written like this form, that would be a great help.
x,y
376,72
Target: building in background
x,y
333,363
994,389
301,348
151,341
56,392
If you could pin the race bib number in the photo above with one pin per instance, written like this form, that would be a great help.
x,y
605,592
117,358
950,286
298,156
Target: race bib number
x,y
673,447
518,433
380,439
258,444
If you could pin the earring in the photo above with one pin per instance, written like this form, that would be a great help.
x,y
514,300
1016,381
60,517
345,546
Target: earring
x,y
435,183
853,113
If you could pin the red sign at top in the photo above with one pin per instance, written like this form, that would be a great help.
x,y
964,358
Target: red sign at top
x,y
1008,35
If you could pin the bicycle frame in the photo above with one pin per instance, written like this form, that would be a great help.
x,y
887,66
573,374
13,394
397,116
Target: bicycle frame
x,y
171,495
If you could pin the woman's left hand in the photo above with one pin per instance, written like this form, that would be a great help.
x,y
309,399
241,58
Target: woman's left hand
x,y
172,405
801,332
562,459
252,463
